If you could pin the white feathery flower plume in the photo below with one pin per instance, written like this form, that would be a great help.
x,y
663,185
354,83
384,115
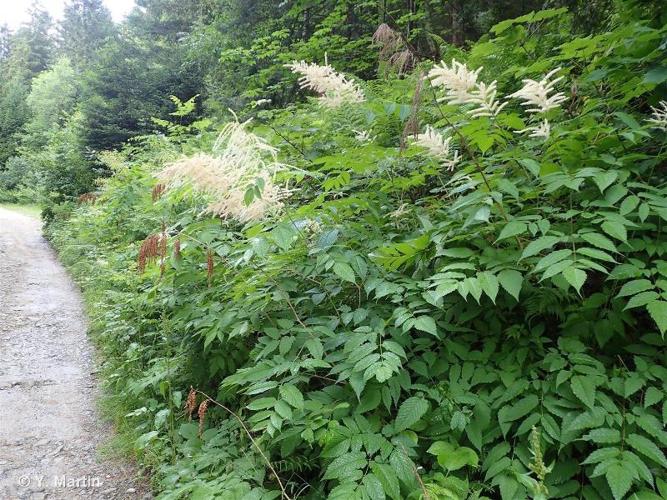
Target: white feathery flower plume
x,y
541,130
659,117
462,87
363,136
439,147
334,88
240,160
260,102
485,98
458,80
536,93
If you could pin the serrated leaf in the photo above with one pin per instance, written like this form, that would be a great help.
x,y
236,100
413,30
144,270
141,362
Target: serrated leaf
x,y
631,385
284,235
641,299
519,409
662,486
647,448
458,458
373,486
631,460
473,287
652,426
426,324
619,479
575,277
658,311
563,376
601,455
652,396
261,404
512,228
489,284
345,465
584,388
402,466
604,436
616,230
409,413
629,204
552,258
604,180
315,347
540,244
557,268
344,271
634,287
511,281
440,448
283,409
388,479
292,395
595,254
599,240
588,420
532,166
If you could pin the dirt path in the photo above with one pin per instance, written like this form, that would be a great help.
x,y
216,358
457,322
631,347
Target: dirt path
x,y
49,427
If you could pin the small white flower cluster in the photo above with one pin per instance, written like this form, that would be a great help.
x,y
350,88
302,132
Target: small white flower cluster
x,y
659,117
363,136
334,88
438,146
240,160
542,130
260,102
536,94
462,87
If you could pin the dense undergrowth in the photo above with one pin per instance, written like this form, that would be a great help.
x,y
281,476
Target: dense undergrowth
x,y
400,329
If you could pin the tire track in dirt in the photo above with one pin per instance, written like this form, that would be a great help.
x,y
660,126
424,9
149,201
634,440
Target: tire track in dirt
x,y
50,431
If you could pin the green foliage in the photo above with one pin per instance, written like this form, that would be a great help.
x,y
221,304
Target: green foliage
x,y
403,331
52,98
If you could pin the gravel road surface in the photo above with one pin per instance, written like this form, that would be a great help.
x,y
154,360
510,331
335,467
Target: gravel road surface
x,y
50,431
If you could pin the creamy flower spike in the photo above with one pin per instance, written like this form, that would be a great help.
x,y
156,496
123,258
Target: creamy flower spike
x,y
659,117
439,147
462,87
541,130
485,98
240,160
334,88
458,80
536,93
363,136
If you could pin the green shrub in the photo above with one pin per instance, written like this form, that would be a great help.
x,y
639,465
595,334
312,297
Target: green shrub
x,y
403,330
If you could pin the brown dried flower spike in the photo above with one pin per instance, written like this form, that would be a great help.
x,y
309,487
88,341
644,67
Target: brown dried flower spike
x,y
154,246
201,413
403,61
389,39
158,191
191,403
412,123
87,198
